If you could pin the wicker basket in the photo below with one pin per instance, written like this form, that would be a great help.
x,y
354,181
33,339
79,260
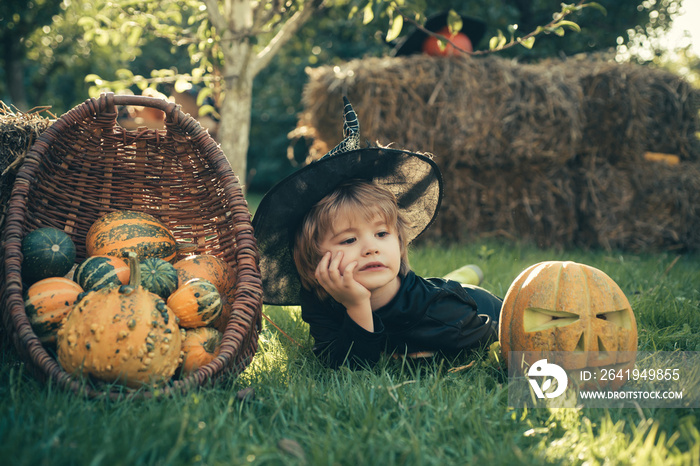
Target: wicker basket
x,y
86,165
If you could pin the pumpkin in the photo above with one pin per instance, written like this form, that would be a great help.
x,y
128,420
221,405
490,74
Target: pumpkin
x,y
47,252
98,271
47,302
200,347
158,276
121,334
196,303
117,232
216,270
432,46
573,313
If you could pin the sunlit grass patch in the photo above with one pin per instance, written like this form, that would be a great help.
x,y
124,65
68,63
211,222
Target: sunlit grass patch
x,y
285,408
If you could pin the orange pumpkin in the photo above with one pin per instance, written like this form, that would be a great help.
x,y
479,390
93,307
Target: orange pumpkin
x,y
117,232
200,347
572,310
432,46
196,303
121,334
218,272
47,302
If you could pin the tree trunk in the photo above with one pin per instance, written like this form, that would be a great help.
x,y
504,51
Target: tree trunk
x,y
236,108
234,127
235,21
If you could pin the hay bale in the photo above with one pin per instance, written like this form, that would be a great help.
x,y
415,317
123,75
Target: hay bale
x,y
382,96
631,109
486,112
490,112
18,131
552,152
674,101
649,206
536,204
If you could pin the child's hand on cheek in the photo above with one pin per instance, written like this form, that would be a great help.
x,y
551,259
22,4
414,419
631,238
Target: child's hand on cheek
x,y
341,285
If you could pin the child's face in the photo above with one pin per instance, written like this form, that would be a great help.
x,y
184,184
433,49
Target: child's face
x,y
373,244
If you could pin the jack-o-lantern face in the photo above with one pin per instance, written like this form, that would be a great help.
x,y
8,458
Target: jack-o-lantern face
x,y
568,307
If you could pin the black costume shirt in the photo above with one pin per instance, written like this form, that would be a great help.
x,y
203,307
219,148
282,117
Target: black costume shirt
x,y
425,315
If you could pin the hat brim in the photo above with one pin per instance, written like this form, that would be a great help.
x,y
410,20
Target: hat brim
x,y
413,43
413,178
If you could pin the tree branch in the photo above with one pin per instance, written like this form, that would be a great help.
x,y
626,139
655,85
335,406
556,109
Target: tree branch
x,y
264,12
288,29
215,16
558,17
422,28
540,29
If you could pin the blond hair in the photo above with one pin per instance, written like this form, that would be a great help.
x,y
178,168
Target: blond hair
x,y
359,197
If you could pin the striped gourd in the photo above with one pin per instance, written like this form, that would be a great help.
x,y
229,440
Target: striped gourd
x,y
117,232
98,271
47,302
196,303
158,276
217,271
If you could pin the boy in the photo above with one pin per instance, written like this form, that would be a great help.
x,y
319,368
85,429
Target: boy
x,y
333,237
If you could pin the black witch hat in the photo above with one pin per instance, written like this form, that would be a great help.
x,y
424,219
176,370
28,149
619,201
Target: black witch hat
x,y
413,178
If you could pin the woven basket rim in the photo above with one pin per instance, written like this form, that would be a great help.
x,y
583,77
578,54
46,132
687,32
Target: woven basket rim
x,y
248,281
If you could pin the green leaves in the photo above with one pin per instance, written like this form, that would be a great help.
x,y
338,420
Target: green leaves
x,y
395,28
125,78
368,13
498,42
454,22
182,84
557,26
528,42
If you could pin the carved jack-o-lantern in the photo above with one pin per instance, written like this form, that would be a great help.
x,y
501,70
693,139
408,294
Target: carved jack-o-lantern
x,y
572,309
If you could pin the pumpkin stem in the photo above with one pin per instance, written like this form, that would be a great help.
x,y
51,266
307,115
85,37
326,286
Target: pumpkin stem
x,y
134,269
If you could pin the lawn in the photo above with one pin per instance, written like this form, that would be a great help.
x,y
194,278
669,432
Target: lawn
x,y
287,409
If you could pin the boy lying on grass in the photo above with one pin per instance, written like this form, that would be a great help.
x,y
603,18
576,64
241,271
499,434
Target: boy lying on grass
x,y
333,238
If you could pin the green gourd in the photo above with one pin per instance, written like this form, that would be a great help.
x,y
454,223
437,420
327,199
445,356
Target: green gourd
x,y
158,276
47,252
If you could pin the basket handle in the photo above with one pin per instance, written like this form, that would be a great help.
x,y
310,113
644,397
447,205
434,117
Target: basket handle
x,y
169,108
173,114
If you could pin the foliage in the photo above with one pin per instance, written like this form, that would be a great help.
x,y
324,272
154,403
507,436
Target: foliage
x,y
295,412
165,30
331,38
71,45
646,46
340,35
18,18
399,13
171,43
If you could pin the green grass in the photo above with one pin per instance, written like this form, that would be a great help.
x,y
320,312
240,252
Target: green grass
x,y
396,413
